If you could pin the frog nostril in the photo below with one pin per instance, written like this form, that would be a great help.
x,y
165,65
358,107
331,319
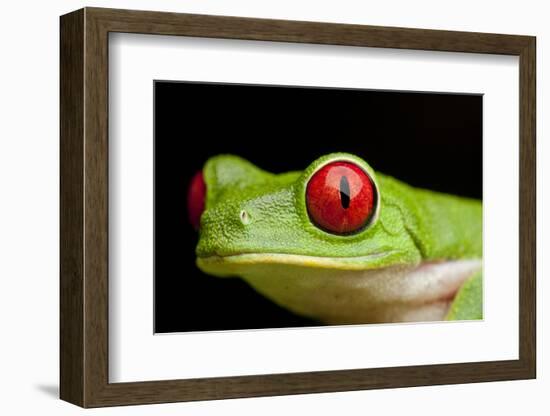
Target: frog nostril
x,y
245,218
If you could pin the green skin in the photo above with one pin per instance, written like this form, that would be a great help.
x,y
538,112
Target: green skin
x,y
419,259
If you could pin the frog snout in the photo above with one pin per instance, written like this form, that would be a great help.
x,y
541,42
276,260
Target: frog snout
x,y
196,200
222,228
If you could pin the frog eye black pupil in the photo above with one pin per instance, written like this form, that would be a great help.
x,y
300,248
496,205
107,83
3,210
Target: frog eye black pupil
x,y
344,192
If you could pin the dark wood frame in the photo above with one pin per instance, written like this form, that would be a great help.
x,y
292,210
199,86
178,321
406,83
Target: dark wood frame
x,y
84,214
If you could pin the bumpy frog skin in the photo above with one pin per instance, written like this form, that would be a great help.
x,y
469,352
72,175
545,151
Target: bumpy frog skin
x,y
418,259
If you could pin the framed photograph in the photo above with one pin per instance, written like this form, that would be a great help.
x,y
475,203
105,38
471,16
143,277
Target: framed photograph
x,y
255,207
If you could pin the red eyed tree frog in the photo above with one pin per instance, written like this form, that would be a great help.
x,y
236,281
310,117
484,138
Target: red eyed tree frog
x,y
339,242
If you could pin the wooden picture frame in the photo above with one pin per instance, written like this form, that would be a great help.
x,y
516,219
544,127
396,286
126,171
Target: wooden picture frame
x,y
84,207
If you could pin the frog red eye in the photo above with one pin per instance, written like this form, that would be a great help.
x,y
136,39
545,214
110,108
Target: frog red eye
x,y
341,198
196,195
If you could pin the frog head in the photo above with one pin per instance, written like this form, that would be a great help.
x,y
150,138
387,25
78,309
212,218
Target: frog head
x,y
329,216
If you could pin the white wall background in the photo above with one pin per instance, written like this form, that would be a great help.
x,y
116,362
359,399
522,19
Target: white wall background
x,y
29,206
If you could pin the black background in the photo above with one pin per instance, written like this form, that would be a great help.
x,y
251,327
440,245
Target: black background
x,y
427,140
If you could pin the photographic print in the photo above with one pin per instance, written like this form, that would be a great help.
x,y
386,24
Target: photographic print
x,y
287,206
242,200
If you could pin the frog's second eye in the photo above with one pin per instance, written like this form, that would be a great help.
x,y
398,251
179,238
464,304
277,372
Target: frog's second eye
x,y
341,198
196,195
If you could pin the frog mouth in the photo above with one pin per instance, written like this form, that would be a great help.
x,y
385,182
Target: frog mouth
x,y
217,262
